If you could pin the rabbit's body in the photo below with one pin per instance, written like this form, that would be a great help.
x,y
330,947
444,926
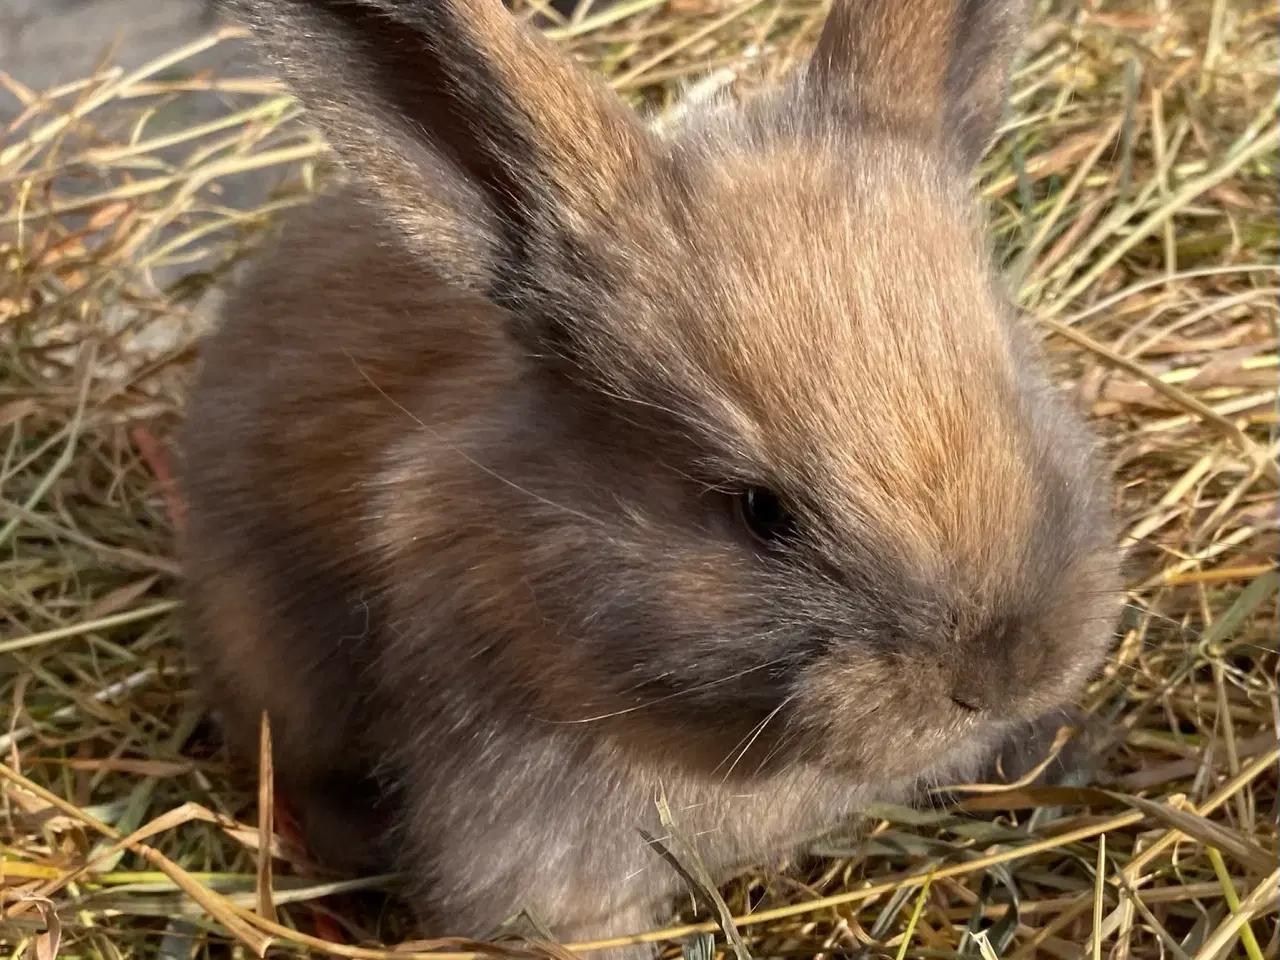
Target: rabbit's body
x,y
534,478
296,516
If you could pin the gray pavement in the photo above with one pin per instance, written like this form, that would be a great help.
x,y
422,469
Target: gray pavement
x,y
45,42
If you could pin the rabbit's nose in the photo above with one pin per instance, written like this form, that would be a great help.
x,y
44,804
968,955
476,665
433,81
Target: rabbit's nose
x,y
991,667
982,682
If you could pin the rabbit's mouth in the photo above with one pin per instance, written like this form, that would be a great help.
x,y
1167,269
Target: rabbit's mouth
x,y
873,719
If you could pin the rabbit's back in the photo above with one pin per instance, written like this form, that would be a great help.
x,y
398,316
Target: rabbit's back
x,y
319,357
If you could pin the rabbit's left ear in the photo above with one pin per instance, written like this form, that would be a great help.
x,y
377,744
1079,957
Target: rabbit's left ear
x,y
478,139
932,68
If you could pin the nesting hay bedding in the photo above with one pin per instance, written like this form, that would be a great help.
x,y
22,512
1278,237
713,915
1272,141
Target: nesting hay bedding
x,y
1133,199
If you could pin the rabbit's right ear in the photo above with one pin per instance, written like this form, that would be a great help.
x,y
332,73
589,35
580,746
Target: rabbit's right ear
x,y
929,68
478,139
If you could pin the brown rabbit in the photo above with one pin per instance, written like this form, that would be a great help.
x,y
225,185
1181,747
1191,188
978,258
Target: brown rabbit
x,y
552,463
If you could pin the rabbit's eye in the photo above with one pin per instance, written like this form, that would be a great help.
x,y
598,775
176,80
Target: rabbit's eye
x,y
764,515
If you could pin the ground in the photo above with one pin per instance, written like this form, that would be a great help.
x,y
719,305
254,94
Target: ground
x,y
1133,198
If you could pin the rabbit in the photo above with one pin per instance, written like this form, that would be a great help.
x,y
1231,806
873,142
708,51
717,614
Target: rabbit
x,y
553,464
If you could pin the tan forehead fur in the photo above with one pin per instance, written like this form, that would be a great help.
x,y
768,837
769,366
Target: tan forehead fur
x,y
846,333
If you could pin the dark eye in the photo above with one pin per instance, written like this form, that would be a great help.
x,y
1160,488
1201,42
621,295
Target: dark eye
x,y
764,515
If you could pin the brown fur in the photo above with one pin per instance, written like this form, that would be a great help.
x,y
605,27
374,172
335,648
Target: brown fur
x,y
463,460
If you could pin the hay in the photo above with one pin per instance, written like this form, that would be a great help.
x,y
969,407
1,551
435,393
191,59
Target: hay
x,y
1134,202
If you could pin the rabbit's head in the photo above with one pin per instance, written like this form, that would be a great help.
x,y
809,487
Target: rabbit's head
x,y
770,472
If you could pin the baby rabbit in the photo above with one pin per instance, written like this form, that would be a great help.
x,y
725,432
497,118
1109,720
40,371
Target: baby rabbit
x,y
551,464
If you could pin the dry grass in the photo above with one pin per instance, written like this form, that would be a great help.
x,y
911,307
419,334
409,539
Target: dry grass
x,y
1134,199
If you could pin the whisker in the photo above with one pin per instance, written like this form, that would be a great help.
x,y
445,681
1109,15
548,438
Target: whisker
x,y
672,696
789,736
753,737
467,457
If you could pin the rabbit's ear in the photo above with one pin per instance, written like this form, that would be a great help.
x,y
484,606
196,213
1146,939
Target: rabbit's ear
x,y
474,134
936,68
